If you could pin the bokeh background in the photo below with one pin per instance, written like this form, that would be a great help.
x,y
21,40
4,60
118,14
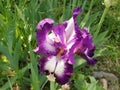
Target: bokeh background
x,y
18,63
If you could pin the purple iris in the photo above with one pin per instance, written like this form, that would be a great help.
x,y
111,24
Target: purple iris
x,y
59,44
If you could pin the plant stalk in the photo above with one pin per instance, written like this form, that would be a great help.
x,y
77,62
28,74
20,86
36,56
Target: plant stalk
x,y
52,85
102,18
101,21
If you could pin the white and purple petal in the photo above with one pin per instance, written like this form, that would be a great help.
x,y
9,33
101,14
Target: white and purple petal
x,y
89,58
85,47
42,23
45,41
64,78
59,31
72,26
60,43
58,66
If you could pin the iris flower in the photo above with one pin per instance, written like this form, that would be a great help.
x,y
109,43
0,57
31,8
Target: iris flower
x,y
59,44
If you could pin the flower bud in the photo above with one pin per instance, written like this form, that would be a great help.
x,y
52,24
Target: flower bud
x,y
51,78
65,87
107,3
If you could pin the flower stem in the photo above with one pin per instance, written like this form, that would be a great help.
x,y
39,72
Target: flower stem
x,y
102,18
52,85
101,21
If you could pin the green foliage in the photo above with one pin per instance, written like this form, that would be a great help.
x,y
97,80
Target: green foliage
x,y
82,82
18,20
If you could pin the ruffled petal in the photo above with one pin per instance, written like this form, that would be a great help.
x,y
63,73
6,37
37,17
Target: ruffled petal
x,y
43,22
41,64
65,76
45,41
71,58
76,12
85,47
59,31
61,69
72,28
72,31
90,60
59,44
47,64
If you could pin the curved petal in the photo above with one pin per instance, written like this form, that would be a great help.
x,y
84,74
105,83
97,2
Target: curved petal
x,y
45,42
87,40
43,22
72,52
90,60
72,28
71,24
65,76
61,69
76,11
59,31
41,64
85,47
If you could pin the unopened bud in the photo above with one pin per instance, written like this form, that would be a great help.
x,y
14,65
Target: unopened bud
x,y
51,77
29,38
65,87
107,3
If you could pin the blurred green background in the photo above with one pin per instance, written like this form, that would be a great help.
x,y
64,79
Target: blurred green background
x,y
18,20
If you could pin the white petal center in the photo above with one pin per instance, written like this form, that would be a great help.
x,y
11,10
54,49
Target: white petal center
x,y
48,45
70,30
55,65
50,64
60,68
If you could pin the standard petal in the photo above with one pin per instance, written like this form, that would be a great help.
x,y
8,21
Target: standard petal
x,y
71,54
59,31
70,30
76,11
72,27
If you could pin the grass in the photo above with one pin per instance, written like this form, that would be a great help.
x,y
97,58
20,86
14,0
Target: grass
x,y
18,20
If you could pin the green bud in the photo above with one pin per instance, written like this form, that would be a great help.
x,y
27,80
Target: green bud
x,y
51,77
107,3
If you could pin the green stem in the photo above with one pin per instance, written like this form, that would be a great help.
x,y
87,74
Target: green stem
x,y
52,85
102,18
44,84
101,21
84,21
91,4
10,83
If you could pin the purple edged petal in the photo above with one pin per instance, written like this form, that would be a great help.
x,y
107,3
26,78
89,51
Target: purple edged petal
x,y
85,47
71,54
64,78
70,30
59,31
61,69
43,22
45,42
41,64
59,44
76,11
71,25
90,60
